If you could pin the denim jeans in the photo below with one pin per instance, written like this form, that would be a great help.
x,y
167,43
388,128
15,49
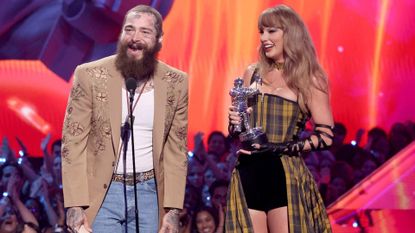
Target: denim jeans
x,y
111,215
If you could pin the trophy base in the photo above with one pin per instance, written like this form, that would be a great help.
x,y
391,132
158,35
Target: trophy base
x,y
253,136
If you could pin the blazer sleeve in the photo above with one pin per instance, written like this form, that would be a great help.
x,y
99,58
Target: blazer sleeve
x,y
175,152
76,128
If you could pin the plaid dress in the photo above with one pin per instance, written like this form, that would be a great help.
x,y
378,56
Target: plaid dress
x,y
282,120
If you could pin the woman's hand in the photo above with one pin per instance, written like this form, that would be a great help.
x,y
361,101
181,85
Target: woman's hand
x,y
256,146
234,116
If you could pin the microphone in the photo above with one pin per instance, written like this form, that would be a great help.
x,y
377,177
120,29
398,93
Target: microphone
x,y
131,85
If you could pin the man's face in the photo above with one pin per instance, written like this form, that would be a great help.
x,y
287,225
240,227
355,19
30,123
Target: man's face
x,y
138,34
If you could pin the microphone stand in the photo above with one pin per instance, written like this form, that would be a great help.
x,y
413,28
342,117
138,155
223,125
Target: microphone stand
x,y
125,135
131,118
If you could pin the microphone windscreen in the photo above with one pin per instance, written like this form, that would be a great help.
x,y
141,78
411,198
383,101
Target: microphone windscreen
x,y
131,84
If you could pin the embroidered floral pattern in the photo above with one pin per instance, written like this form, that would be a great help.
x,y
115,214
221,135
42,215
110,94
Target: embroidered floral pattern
x,y
105,129
170,100
65,153
103,97
77,92
75,128
100,123
181,133
173,78
98,72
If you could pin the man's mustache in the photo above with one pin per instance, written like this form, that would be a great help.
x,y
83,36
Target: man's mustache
x,y
137,45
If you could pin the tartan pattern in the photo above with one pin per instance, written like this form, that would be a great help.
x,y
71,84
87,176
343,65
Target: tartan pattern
x,y
283,121
306,212
277,116
237,216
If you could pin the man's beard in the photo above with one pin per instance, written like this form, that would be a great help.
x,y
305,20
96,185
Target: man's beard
x,y
142,69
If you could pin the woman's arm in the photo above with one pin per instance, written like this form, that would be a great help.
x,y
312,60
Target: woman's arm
x,y
27,216
322,137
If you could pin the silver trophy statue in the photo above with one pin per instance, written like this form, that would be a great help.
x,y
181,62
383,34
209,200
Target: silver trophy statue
x,y
247,135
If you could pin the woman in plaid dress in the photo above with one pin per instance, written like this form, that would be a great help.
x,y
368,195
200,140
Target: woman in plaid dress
x,y
271,188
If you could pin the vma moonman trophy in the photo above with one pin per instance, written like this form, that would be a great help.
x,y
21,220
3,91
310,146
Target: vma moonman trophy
x,y
247,134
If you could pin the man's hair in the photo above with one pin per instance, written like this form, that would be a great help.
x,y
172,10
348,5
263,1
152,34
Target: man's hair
x,y
140,9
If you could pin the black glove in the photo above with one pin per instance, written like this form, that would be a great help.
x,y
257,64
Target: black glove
x,y
295,148
275,148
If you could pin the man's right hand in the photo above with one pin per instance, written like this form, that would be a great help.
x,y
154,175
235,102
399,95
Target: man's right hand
x,y
75,218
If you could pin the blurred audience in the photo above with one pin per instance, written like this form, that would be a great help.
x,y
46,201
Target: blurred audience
x,y
31,199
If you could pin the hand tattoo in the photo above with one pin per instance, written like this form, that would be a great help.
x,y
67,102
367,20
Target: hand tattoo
x,y
75,218
171,221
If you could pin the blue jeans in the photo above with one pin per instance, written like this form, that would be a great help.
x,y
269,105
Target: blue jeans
x,y
111,215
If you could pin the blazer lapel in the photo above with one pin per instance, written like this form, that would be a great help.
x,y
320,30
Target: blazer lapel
x,y
115,83
160,101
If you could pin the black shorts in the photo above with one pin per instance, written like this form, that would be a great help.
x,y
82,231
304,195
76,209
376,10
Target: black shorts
x,y
263,181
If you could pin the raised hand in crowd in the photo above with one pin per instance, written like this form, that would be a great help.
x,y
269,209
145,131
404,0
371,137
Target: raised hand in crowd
x,y
39,189
7,153
29,220
47,158
199,150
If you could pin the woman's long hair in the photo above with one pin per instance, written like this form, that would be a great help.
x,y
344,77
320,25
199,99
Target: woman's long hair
x,y
300,60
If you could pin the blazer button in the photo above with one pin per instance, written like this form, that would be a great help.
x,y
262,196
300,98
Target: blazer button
x,y
105,186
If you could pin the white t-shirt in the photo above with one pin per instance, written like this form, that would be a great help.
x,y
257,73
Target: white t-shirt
x,y
143,133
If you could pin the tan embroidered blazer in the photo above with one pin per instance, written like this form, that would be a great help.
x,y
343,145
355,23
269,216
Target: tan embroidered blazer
x,y
91,135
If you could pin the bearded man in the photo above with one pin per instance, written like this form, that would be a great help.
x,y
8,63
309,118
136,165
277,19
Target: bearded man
x,y
94,183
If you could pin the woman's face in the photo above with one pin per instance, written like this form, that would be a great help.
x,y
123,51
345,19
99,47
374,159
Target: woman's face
x,y
195,176
272,42
57,168
217,145
205,222
8,220
8,172
209,177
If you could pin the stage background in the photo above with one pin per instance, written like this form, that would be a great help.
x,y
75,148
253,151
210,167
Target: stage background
x,y
367,48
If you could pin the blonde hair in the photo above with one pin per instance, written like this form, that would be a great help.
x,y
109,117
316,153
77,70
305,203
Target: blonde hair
x,y
300,60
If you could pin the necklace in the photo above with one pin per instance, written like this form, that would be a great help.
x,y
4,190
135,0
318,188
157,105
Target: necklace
x,y
279,65
277,84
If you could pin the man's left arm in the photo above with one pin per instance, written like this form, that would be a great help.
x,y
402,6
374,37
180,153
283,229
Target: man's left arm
x,y
175,158
175,151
